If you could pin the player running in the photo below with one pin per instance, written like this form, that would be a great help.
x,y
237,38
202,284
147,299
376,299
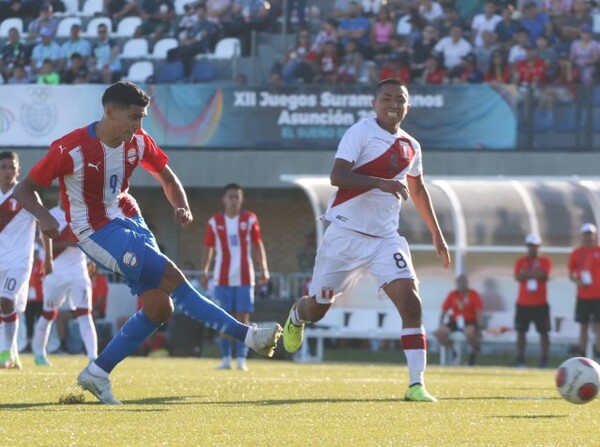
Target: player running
x,y
376,164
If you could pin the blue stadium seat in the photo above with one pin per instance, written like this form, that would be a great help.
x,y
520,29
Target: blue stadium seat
x,y
565,118
203,71
542,120
171,72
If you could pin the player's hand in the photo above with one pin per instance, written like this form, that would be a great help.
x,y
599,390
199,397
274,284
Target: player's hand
x,y
395,187
183,216
441,249
265,276
204,280
49,226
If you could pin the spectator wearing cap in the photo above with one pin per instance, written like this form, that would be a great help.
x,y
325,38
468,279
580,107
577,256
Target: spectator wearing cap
x,y
584,53
46,49
45,21
485,21
75,44
532,272
584,271
506,30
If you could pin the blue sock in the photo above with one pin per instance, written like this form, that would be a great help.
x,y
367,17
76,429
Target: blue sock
x,y
241,350
195,306
225,345
135,330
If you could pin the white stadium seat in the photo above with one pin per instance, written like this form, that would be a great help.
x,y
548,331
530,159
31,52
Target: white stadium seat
x,y
140,71
162,46
92,26
11,22
64,27
91,8
135,49
227,48
127,26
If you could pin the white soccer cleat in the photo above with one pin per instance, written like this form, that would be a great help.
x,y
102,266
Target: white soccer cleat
x,y
225,364
264,340
98,386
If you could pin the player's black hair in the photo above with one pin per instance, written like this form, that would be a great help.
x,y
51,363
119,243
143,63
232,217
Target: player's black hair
x,y
231,186
125,94
9,155
388,81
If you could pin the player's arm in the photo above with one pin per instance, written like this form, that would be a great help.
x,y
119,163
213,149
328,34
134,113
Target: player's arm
x,y
26,194
175,194
48,264
207,255
260,257
342,176
422,201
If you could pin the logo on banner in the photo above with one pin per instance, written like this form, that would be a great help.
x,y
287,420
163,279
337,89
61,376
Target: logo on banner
x,y
7,117
38,116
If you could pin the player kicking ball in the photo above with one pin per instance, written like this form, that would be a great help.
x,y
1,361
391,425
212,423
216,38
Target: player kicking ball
x,y
93,165
376,165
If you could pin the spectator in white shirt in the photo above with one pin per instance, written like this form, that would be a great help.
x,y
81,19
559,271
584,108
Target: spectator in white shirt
x,y
453,48
486,21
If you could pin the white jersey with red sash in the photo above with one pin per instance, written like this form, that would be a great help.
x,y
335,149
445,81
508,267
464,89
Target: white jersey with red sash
x,y
379,153
71,260
232,239
17,233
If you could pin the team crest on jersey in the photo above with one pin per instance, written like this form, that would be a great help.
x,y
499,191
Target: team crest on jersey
x,y
243,226
131,156
130,259
404,149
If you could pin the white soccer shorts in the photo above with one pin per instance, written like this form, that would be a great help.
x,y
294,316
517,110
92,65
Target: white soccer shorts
x,y
58,286
345,254
14,285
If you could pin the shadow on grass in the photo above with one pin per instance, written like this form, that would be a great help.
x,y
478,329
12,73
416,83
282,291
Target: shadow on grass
x,y
56,406
531,416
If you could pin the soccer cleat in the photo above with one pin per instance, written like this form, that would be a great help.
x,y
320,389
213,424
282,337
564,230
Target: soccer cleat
x,y
42,360
418,393
292,334
98,386
15,363
224,365
264,340
5,359
241,365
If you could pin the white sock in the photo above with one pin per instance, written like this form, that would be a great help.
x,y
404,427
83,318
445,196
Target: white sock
x,y
414,345
296,320
41,333
10,332
95,370
88,335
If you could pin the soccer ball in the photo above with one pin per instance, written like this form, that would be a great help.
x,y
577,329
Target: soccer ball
x,y
578,380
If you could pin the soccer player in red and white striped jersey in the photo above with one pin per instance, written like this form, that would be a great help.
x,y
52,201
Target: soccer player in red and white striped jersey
x,y
234,236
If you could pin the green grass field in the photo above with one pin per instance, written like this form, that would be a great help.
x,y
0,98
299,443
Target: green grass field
x,y
185,402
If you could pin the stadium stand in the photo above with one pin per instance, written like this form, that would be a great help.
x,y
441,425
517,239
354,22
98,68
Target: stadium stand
x,y
135,49
140,71
11,22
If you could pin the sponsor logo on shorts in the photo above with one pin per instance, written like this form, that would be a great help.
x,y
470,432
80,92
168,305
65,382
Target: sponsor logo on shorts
x,y
342,218
130,259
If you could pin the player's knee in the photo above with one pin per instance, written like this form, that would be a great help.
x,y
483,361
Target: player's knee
x,y
172,277
7,306
159,311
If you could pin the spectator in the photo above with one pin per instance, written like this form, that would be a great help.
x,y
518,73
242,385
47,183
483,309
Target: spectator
x,y
519,50
431,11
434,72
248,16
463,306
14,53
532,273
46,49
397,67
117,9
185,29
530,72
569,26
381,32
48,74
450,20
558,8
548,55
298,7
507,29
453,49
485,51
75,44
105,63
562,88
327,64
19,76
534,21
354,27
341,8
45,21
353,68
201,40
77,73
470,72
584,271
328,33
219,11
371,8
486,21
296,66
157,16
499,71
422,49
584,54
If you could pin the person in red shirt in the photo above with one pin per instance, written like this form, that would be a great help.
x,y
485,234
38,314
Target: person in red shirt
x,y
584,270
531,71
532,271
464,306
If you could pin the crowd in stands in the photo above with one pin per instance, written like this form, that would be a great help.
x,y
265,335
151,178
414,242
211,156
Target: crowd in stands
x,y
523,42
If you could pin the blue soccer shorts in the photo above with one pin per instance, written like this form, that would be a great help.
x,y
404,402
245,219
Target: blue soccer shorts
x,y
235,298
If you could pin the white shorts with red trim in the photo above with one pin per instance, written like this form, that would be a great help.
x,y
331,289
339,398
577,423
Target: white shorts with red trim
x,y
74,285
344,255
14,285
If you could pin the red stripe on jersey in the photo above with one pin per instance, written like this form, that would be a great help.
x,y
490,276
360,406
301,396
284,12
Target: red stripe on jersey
x,y
416,341
388,165
226,254
243,234
130,161
94,165
8,210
